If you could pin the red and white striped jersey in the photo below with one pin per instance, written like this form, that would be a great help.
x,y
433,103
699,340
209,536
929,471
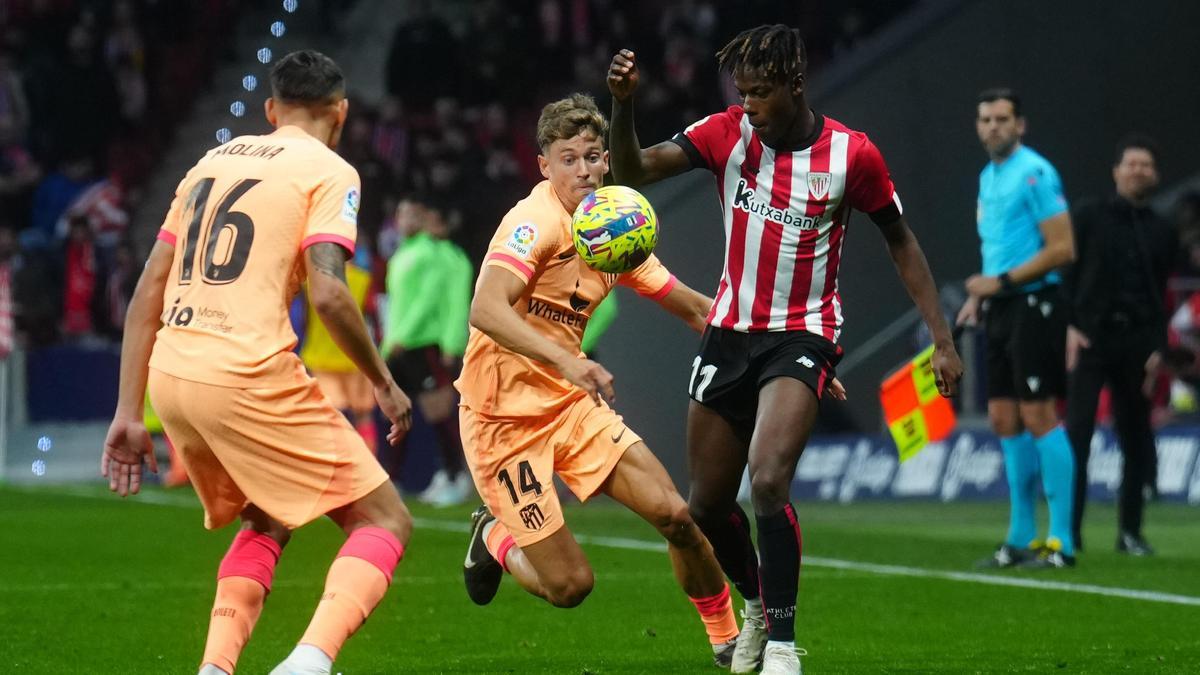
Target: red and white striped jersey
x,y
785,219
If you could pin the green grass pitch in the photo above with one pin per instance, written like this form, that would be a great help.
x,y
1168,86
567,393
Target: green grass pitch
x,y
93,584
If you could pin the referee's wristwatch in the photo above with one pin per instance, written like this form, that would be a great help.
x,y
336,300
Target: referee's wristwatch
x,y
1006,282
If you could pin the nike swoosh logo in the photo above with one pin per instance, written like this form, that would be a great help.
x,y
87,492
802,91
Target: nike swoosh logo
x,y
617,437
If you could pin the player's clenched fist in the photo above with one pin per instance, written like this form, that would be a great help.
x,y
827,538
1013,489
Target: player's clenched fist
x,y
397,407
623,75
947,370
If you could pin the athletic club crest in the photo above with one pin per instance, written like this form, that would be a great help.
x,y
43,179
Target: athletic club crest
x,y
818,184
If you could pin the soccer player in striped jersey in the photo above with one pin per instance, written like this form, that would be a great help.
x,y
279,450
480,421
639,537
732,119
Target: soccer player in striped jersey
x,y
788,179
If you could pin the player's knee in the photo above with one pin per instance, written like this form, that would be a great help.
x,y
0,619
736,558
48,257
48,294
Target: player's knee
x,y
398,521
674,522
770,489
263,524
1004,424
706,514
1039,419
570,589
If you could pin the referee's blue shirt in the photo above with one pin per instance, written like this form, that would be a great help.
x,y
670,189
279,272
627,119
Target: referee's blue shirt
x,y
1014,196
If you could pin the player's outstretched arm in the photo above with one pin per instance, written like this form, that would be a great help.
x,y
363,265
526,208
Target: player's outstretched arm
x,y
333,302
687,304
631,164
918,281
127,442
492,312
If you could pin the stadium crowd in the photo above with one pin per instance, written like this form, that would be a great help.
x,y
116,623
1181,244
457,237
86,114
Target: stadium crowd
x,y
452,123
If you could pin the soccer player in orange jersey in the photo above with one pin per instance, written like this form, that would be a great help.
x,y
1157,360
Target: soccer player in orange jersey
x,y
208,329
534,406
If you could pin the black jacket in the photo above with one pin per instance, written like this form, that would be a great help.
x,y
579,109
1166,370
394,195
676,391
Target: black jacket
x,y
1095,277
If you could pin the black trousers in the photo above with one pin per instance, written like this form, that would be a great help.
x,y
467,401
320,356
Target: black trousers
x,y
1116,358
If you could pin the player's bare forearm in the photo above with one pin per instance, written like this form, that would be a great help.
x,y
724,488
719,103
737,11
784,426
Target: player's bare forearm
x,y
333,302
689,305
142,321
492,312
625,151
914,273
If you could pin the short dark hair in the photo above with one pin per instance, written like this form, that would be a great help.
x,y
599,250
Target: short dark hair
x,y
307,77
777,51
1000,94
1139,142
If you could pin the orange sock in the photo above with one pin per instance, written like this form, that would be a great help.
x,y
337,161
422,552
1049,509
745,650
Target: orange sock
x,y
717,614
243,581
235,611
499,542
358,579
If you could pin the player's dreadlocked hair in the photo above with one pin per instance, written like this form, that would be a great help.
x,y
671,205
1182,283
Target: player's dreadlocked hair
x,y
775,51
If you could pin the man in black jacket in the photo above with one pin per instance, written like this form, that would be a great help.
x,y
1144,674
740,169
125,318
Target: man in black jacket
x,y
1117,289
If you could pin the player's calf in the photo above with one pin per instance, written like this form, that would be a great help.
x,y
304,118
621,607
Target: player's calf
x,y
243,582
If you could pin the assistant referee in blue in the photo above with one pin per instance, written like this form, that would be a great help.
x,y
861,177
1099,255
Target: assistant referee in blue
x,y
1025,231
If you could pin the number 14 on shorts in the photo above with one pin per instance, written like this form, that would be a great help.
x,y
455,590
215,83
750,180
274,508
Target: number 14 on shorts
x,y
526,481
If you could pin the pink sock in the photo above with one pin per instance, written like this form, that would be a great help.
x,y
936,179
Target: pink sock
x,y
252,555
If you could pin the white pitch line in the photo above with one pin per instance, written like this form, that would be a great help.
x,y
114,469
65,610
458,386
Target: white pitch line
x,y
996,580
814,561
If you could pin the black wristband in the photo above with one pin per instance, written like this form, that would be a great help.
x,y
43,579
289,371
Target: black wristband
x,y
1006,281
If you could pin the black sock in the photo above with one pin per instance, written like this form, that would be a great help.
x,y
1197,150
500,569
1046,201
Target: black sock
x,y
779,543
730,539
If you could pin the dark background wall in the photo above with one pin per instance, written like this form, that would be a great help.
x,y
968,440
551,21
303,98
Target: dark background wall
x,y
1089,72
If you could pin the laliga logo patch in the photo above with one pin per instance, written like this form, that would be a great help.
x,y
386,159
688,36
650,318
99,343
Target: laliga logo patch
x,y
523,238
350,206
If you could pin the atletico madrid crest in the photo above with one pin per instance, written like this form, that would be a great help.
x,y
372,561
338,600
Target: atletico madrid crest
x,y
818,184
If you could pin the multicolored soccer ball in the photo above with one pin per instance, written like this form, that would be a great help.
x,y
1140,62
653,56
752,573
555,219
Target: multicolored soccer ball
x,y
614,229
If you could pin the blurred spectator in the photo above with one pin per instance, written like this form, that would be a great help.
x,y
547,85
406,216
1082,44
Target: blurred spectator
x,y
119,283
57,192
81,83
19,173
421,64
129,69
14,107
79,274
102,206
8,265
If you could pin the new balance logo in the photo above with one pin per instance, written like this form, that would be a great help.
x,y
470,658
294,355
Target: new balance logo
x,y
806,362
532,517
